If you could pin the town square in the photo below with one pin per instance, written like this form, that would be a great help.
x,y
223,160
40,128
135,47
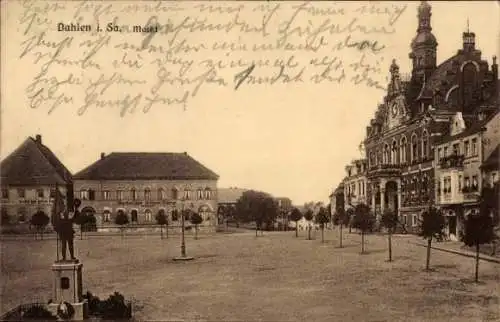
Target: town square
x,y
250,161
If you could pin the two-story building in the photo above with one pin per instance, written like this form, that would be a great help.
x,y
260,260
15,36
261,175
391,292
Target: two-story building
x,y
461,156
355,183
29,177
143,184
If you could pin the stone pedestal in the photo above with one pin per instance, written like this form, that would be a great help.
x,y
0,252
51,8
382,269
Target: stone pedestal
x,y
68,288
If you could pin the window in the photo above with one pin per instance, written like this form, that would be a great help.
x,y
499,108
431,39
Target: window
x,y
445,151
456,149
147,194
148,215
133,194
162,195
387,155
394,152
84,194
106,216
414,221
175,194
403,150
440,153
439,188
467,182
466,148
133,216
187,194
91,194
474,183
5,193
106,195
21,193
200,194
208,194
414,148
119,194
175,215
474,146
39,193
425,145
459,183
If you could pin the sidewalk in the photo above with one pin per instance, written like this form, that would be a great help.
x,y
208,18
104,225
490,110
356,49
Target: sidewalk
x,y
453,248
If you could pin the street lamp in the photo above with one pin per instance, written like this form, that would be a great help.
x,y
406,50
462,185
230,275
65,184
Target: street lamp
x,y
183,240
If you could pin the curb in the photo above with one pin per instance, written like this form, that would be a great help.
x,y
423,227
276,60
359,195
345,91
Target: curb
x,y
481,257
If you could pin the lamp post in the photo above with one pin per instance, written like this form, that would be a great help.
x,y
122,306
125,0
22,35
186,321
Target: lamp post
x,y
183,240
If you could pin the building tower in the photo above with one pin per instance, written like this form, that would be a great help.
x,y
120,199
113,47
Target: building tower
x,y
423,46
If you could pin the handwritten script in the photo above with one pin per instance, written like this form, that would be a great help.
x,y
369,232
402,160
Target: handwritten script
x,y
134,57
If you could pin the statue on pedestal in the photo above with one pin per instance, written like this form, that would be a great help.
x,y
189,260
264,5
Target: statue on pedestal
x,y
65,231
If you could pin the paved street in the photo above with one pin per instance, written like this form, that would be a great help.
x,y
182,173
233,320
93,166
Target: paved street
x,y
276,277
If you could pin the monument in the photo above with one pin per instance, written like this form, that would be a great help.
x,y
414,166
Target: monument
x,y
67,302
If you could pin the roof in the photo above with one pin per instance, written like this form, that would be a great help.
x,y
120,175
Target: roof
x,y
32,163
229,195
474,128
146,166
492,162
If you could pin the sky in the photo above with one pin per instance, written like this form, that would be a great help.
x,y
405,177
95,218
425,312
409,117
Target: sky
x,y
291,140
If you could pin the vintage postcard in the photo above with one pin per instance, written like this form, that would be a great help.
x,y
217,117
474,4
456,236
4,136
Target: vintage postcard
x,y
249,160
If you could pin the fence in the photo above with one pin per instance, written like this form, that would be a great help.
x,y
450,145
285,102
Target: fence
x,y
16,313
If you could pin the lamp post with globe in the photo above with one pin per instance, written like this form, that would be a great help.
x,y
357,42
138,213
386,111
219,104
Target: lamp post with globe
x,y
183,256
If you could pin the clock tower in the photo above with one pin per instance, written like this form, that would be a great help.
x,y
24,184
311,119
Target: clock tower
x,y
396,102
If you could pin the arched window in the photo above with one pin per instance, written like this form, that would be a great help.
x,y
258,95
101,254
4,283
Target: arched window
x,y
147,194
403,147
199,194
133,216
425,145
394,152
133,194
148,215
175,194
175,215
414,147
187,194
387,154
161,194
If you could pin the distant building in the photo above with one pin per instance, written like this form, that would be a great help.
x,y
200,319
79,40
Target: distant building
x,y
143,184
460,156
226,201
29,176
337,199
355,184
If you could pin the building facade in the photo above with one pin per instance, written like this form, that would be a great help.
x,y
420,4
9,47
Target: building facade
x,y
143,184
337,200
460,159
416,112
29,177
355,183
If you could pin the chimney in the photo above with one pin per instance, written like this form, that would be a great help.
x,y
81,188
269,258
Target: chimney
x,y
38,139
103,155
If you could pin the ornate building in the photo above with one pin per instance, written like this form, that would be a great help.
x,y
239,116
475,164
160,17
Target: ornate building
x,y
416,112
355,183
29,176
143,184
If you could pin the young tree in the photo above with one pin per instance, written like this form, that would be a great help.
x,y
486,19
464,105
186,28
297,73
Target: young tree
x,y
479,228
431,226
40,220
340,218
322,218
196,219
364,221
296,215
309,216
161,219
348,217
389,220
121,219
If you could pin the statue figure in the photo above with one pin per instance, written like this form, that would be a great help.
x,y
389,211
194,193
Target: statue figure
x,y
64,229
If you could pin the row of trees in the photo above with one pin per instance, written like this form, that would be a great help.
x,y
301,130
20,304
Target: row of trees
x,y
478,228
